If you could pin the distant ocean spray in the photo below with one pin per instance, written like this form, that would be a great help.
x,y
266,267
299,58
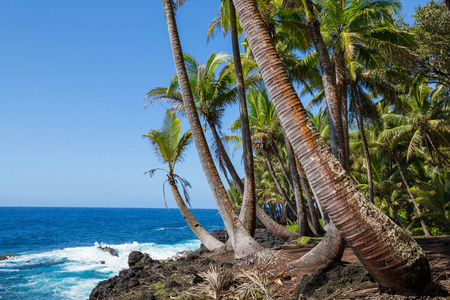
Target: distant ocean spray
x,y
56,249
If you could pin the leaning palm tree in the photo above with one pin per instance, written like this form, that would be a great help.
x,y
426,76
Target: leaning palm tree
x,y
243,244
213,91
393,258
169,148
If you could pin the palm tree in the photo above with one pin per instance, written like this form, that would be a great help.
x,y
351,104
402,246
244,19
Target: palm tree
x,y
169,148
212,94
392,257
243,244
435,196
263,124
248,210
422,122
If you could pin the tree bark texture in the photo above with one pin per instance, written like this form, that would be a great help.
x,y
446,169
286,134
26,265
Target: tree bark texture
x,y
243,244
393,258
296,187
248,208
312,211
210,242
330,90
321,254
279,231
359,120
277,182
226,159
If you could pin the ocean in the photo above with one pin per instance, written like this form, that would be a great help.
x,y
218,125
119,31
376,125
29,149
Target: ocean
x,y
56,249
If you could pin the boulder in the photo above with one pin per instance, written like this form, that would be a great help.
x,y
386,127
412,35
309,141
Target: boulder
x,y
138,260
7,256
109,250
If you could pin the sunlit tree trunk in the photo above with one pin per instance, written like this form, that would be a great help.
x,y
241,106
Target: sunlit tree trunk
x,y
210,242
279,231
296,187
312,211
393,258
243,244
226,159
248,209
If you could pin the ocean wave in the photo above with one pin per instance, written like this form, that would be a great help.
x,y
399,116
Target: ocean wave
x,y
72,273
171,228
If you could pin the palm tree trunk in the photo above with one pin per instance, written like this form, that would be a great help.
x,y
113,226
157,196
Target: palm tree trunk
x,y
329,85
248,209
280,161
341,86
224,155
439,155
337,140
321,254
277,183
210,242
312,211
243,244
359,120
296,188
279,231
393,258
416,206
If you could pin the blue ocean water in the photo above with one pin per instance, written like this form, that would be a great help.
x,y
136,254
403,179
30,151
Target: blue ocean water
x,y
55,249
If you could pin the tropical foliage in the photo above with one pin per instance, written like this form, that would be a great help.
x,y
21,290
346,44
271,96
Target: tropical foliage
x,y
380,99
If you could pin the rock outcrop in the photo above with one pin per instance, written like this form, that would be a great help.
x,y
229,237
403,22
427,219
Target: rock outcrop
x,y
109,250
7,256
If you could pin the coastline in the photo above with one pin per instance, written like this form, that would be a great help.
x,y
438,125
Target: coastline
x,y
186,276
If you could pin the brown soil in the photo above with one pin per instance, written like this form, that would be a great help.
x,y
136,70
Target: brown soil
x,y
181,279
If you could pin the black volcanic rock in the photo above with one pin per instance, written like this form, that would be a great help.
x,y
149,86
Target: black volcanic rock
x,y
5,257
109,250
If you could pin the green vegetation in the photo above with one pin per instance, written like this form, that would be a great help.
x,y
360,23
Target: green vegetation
x,y
380,93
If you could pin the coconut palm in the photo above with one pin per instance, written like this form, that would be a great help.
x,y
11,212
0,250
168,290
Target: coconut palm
x,y
243,244
423,122
435,197
392,257
169,148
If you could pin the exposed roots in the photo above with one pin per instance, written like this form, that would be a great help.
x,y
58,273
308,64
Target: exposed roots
x,y
331,248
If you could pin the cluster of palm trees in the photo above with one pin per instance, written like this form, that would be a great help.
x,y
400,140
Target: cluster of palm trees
x,y
372,158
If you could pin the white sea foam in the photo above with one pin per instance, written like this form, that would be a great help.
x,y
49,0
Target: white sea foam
x,y
72,273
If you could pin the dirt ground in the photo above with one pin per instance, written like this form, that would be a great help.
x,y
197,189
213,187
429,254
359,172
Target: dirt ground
x,y
437,250
183,278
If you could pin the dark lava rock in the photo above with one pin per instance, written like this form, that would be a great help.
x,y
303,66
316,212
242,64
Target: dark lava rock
x,y
146,296
109,250
331,278
138,261
5,257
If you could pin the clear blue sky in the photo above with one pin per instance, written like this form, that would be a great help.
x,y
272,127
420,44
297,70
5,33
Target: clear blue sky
x,y
73,76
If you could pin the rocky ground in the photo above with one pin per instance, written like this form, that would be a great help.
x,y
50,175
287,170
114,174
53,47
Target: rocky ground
x,y
203,275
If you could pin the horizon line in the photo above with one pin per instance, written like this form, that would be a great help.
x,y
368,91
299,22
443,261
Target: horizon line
x,y
116,207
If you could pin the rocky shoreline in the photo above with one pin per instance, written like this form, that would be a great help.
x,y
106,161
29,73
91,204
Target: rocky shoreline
x,y
143,270
191,275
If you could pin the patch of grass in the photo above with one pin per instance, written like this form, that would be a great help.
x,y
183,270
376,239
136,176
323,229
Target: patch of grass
x,y
307,240
293,228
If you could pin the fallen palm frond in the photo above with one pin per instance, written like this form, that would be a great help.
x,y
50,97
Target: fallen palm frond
x,y
253,285
217,283
264,257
